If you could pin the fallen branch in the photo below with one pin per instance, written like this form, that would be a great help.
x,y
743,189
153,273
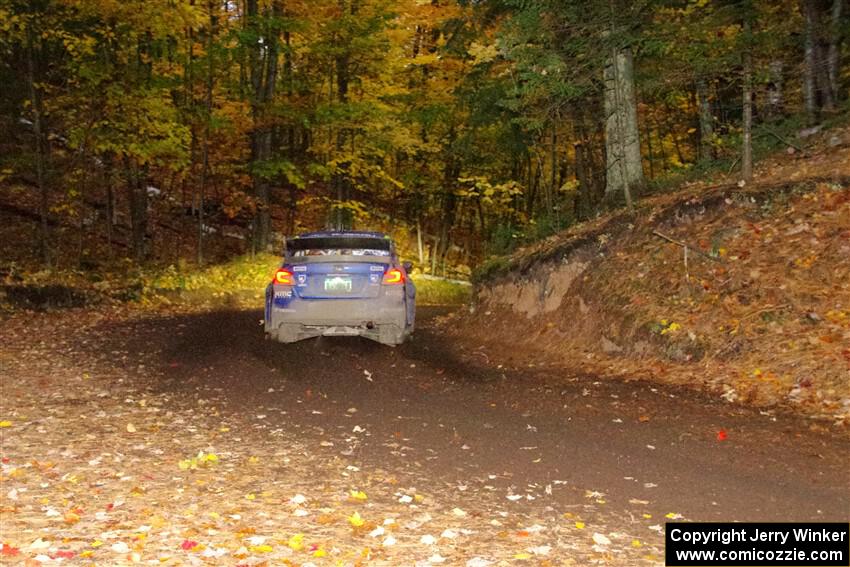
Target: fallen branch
x,y
765,310
731,167
781,139
758,312
686,246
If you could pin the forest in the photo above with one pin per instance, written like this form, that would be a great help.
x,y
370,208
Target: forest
x,y
160,131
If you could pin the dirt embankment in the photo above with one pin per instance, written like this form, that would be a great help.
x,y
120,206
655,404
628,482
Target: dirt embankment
x,y
740,291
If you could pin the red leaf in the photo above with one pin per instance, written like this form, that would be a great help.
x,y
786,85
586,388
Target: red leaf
x,y
8,550
721,435
188,544
63,554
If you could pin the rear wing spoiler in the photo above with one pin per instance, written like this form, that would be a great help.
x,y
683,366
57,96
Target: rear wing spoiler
x,y
293,245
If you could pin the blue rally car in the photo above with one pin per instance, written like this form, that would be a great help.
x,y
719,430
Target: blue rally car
x,y
341,283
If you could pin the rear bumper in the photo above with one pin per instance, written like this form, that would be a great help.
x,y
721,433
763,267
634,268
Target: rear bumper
x,y
388,334
381,319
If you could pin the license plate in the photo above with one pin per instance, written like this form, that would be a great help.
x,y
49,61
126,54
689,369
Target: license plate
x,y
338,284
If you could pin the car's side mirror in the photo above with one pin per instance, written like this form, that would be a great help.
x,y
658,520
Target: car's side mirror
x,y
408,266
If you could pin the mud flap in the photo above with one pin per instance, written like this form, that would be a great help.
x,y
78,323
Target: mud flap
x,y
389,335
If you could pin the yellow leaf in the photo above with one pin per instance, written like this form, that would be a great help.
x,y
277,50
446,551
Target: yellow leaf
x,y
251,496
96,543
358,495
355,520
636,543
319,553
296,542
522,556
260,548
5,423
580,525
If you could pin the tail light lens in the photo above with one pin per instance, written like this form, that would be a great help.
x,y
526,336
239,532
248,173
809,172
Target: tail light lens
x,y
393,276
283,277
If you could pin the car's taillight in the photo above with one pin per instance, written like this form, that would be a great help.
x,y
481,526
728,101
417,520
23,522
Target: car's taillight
x,y
283,277
393,276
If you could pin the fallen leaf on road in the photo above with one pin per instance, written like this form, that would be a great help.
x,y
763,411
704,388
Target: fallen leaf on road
x,y
377,532
39,544
296,542
120,547
355,520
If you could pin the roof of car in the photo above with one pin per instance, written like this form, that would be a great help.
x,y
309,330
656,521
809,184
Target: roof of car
x,y
343,234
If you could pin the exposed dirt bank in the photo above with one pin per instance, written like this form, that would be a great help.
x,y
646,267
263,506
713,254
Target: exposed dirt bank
x,y
740,291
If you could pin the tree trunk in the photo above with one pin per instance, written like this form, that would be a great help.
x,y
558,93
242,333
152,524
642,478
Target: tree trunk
x,y
341,182
419,244
747,149
624,170
706,122
263,68
205,149
819,86
110,206
650,155
775,97
291,149
40,151
809,65
137,200
553,158
836,37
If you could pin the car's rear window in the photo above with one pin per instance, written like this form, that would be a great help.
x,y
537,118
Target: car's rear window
x,y
338,246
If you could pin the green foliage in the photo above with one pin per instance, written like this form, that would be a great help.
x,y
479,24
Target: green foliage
x,y
441,292
237,275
